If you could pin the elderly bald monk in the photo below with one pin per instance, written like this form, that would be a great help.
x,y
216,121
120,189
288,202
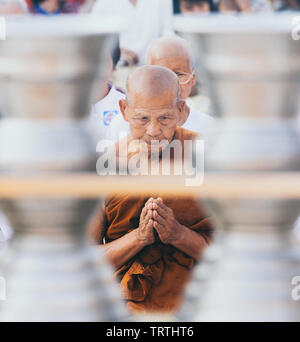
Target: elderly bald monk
x,y
153,242
174,54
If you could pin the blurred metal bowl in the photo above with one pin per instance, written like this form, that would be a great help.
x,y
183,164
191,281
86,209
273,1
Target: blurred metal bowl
x,y
250,66
49,69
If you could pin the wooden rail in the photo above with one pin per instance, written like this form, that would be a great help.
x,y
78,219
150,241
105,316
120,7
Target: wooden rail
x,y
268,185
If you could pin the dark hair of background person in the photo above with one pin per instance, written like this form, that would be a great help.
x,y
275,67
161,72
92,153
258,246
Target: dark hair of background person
x,y
37,2
115,53
176,5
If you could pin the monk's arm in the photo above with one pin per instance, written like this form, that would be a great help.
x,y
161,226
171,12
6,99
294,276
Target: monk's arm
x,y
121,250
171,232
126,247
189,242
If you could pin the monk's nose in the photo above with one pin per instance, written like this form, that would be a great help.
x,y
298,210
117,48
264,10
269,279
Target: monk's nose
x,y
153,130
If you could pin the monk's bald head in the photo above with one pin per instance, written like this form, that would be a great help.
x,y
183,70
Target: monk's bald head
x,y
153,107
168,47
149,82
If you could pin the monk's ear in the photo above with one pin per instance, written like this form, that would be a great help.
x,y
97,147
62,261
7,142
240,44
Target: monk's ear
x,y
183,112
123,107
194,81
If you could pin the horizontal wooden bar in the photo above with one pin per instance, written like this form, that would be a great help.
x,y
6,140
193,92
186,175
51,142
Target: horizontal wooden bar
x,y
221,186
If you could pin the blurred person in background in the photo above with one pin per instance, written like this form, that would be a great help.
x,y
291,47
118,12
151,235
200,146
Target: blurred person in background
x,y
53,7
297,230
5,231
151,19
107,105
174,54
245,6
10,7
224,6
148,19
196,6
286,5
45,7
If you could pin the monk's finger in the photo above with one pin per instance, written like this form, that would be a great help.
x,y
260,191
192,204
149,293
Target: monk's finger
x,y
154,205
148,204
166,208
150,201
162,211
150,224
157,226
149,215
158,200
158,218
162,204
143,214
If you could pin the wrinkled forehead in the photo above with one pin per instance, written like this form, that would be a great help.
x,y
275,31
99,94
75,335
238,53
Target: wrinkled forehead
x,y
153,112
176,64
143,99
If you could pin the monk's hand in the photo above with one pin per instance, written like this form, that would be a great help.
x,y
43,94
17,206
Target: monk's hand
x,y
167,227
145,233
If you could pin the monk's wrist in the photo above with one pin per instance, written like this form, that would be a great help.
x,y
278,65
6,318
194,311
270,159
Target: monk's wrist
x,y
178,234
141,240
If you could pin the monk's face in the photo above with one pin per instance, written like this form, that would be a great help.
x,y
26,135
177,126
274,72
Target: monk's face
x,y
152,118
182,68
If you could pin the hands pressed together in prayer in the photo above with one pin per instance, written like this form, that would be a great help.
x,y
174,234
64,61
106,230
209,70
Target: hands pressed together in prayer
x,y
156,216
156,221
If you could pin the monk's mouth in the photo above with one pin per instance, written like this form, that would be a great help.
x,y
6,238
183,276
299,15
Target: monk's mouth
x,y
154,143
161,142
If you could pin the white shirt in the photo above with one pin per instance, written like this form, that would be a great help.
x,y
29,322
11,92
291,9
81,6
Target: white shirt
x,y
104,111
261,6
5,230
197,121
151,19
257,6
297,229
148,20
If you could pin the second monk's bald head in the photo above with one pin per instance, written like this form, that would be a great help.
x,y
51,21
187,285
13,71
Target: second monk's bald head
x,y
151,81
168,47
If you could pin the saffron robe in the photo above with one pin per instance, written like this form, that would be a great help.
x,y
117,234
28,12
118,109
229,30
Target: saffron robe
x,y
154,280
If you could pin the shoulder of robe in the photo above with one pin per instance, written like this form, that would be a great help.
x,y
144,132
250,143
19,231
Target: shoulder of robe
x,y
185,134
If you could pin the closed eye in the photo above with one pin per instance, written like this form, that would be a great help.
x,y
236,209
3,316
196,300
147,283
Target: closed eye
x,y
164,119
142,119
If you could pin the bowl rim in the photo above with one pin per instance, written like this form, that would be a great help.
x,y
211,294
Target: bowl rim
x,y
62,25
237,23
